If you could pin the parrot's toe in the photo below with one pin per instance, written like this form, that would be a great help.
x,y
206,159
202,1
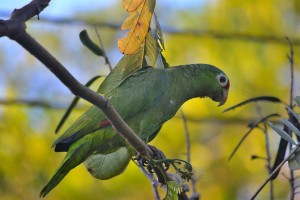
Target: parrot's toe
x,y
158,156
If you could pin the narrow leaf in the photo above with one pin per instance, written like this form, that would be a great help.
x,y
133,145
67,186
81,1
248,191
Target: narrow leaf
x,y
157,32
291,126
157,36
282,133
293,164
255,99
297,99
151,50
86,41
164,61
72,106
125,67
293,113
249,131
294,160
172,190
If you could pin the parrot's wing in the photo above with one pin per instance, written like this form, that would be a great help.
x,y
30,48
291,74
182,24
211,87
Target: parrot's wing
x,y
139,91
88,122
136,93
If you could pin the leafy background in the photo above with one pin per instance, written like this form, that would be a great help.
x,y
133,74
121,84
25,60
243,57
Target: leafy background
x,y
254,67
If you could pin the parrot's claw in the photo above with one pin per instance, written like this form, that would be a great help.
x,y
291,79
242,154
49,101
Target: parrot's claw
x,y
158,155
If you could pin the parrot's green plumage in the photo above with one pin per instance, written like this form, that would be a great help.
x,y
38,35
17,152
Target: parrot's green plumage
x,y
145,100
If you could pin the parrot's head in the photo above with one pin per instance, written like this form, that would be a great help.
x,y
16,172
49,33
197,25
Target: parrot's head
x,y
220,91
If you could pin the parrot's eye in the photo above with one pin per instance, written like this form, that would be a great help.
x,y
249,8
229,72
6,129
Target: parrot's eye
x,y
223,80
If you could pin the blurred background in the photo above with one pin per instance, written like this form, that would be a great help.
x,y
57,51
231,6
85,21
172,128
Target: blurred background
x,y
244,38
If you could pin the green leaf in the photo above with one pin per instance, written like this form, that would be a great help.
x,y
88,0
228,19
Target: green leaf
x,y
293,164
294,161
151,50
297,99
129,64
157,35
164,61
255,99
282,133
107,166
188,167
86,41
291,126
157,32
293,113
125,67
173,189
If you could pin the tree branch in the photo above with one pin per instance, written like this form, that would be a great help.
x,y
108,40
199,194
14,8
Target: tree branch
x,y
14,28
217,34
291,60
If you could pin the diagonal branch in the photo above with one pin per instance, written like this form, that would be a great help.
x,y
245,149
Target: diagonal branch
x,y
14,28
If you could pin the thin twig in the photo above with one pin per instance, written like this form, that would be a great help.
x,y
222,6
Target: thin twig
x,y
242,36
253,126
268,152
41,103
187,136
291,60
188,147
31,103
102,47
154,182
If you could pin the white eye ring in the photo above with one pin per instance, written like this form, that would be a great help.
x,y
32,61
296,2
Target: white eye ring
x,y
223,80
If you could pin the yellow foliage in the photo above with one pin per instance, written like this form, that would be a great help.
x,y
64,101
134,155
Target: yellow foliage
x,y
132,5
136,25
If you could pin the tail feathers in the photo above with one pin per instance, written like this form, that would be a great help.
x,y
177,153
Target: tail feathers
x,y
52,183
68,163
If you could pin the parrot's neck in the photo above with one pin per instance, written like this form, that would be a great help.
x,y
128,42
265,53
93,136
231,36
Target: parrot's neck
x,y
188,82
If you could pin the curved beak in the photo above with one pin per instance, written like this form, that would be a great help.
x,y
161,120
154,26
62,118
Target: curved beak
x,y
223,97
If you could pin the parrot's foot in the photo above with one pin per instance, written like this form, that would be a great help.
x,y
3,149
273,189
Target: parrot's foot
x,y
151,164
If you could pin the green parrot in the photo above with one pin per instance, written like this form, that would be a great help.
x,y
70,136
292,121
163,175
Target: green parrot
x,y
145,99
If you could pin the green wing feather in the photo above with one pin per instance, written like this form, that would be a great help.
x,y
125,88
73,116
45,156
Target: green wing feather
x,y
74,157
133,92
